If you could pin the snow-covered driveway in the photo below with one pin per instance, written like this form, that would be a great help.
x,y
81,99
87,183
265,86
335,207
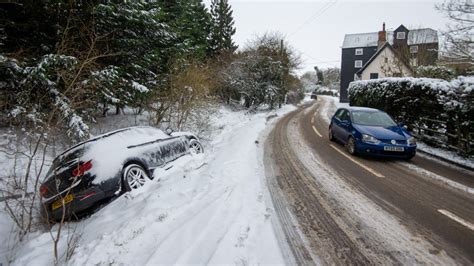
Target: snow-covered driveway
x,y
211,208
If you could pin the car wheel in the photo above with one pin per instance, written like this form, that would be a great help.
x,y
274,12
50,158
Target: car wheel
x,y
195,146
351,146
331,137
134,176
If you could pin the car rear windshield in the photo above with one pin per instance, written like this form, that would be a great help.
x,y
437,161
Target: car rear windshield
x,y
379,119
66,160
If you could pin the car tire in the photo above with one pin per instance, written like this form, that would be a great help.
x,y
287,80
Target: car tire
x,y
330,135
351,146
134,176
195,147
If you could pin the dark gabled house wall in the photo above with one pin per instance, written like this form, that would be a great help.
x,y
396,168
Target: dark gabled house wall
x,y
348,69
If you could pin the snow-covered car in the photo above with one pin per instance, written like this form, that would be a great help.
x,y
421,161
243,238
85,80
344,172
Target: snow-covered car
x,y
105,166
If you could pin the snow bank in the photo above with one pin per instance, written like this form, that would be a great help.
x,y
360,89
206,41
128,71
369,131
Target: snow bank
x,y
207,209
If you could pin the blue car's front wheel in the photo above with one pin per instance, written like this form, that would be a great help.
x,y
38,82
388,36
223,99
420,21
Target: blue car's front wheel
x,y
351,145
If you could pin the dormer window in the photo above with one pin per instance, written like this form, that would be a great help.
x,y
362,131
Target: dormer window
x,y
359,51
400,35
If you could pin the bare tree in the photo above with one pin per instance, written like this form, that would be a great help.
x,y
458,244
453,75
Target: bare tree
x,y
460,31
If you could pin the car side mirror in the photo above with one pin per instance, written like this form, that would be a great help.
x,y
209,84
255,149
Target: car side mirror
x,y
169,131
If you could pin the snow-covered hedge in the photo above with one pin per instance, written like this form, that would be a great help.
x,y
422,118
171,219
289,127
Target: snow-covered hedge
x,y
410,99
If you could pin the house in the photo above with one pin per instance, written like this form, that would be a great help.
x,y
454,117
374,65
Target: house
x,y
386,54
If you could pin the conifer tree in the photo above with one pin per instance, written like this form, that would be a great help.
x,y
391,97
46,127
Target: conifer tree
x,y
222,27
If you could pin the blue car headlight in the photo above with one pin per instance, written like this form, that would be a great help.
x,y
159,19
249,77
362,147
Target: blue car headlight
x,y
369,139
411,141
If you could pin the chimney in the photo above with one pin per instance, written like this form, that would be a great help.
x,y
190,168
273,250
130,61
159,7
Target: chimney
x,y
382,37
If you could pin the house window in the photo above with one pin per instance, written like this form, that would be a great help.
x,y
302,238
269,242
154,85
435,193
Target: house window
x,y
374,75
413,62
356,77
385,59
400,35
359,51
358,63
414,49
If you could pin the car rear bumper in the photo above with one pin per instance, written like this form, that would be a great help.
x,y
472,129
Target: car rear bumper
x,y
378,150
81,201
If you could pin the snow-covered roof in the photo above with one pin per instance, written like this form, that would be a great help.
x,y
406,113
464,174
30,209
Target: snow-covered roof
x,y
417,36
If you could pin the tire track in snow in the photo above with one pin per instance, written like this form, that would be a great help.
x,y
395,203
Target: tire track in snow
x,y
326,238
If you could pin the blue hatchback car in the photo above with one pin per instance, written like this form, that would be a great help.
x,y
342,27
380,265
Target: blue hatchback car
x,y
371,131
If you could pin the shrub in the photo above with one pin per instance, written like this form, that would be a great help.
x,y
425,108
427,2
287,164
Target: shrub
x,y
437,72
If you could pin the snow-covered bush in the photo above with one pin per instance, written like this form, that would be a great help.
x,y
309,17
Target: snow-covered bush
x,y
413,100
260,74
320,90
437,72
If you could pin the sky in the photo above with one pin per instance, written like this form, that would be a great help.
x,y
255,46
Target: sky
x,y
316,28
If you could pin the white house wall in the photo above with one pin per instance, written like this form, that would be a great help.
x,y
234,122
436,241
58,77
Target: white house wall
x,y
388,69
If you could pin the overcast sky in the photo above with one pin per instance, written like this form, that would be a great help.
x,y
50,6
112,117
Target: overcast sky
x,y
316,28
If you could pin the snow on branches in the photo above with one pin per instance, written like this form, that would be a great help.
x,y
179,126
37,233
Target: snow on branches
x,y
37,94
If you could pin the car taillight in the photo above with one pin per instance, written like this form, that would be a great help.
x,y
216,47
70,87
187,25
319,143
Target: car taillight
x,y
82,168
43,190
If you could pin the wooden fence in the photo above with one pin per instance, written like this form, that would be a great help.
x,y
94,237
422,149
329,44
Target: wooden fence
x,y
442,134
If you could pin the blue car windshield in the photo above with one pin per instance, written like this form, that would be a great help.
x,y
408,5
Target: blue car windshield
x,y
378,119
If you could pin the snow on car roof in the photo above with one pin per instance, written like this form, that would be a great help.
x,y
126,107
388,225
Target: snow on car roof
x,y
110,152
124,131
368,39
360,108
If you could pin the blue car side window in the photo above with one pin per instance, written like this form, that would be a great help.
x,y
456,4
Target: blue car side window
x,y
345,116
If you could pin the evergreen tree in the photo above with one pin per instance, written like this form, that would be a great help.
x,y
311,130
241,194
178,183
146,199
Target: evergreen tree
x,y
191,22
195,27
27,29
222,27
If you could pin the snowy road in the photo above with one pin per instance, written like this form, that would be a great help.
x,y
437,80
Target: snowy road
x,y
352,210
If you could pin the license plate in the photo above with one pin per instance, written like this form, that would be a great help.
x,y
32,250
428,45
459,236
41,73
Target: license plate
x,y
59,203
393,148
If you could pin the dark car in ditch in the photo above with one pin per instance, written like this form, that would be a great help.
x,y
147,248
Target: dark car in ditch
x,y
108,165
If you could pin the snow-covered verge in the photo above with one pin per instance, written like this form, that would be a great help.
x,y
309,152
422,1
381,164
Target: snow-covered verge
x,y
449,156
328,111
207,209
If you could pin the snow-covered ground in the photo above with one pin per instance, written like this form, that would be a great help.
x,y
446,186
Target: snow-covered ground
x,y
450,156
209,208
